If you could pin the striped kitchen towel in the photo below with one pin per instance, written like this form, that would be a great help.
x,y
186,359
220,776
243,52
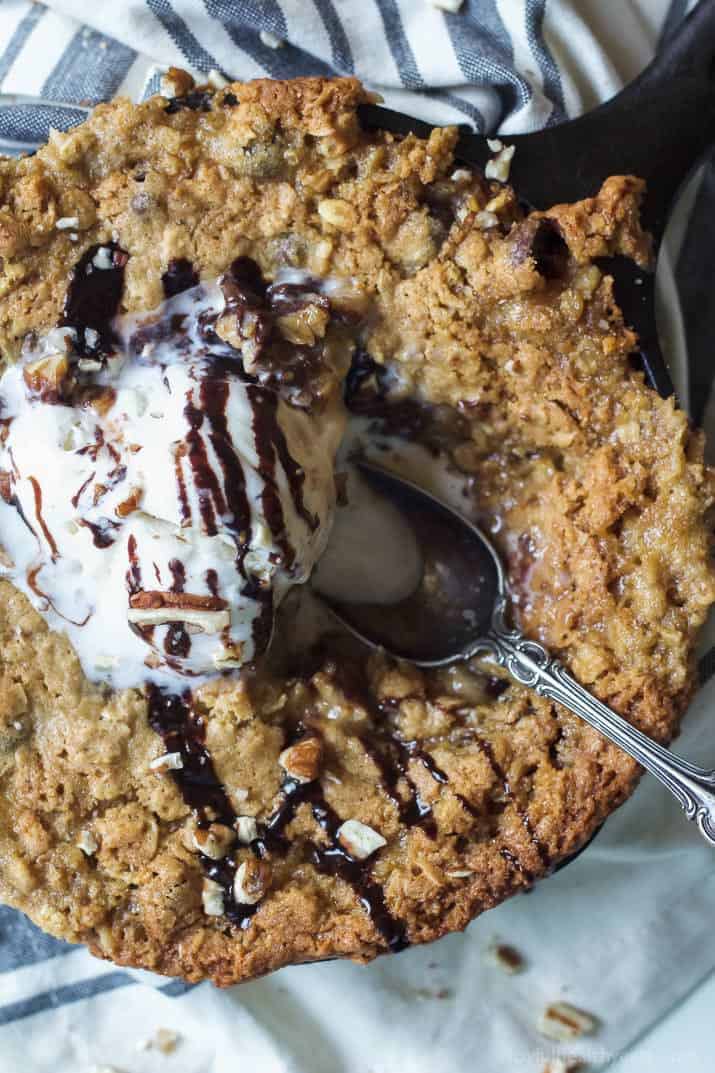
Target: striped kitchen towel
x,y
499,65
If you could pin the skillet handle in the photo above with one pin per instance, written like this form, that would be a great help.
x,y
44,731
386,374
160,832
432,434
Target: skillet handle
x,y
657,128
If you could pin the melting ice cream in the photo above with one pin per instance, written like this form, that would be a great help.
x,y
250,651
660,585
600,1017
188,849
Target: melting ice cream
x,y
159,515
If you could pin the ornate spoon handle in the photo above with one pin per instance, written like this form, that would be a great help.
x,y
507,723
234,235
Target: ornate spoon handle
x,y
532,666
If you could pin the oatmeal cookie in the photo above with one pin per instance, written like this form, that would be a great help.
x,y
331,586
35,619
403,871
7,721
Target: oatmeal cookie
x,y
328,802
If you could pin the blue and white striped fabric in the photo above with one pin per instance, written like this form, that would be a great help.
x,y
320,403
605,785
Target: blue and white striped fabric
x,y
499,65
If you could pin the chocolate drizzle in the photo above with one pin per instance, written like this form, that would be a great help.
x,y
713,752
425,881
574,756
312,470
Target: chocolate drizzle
x,y
183,731
295,369
93,299
271,445
392,758
37,493
332,859
180,275
103,531
177,642
206,482
134,573
486,750
78,494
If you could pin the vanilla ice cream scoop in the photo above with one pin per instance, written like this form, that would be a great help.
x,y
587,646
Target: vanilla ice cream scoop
x,y
159,515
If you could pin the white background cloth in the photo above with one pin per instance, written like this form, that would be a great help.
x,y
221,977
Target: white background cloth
x,y
625,931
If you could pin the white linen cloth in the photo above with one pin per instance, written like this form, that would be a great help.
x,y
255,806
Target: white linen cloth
x,y
624,931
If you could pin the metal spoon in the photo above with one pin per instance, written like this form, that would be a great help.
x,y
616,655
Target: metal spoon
x,y
460,610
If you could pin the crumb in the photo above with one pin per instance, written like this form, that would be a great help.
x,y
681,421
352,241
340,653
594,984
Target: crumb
x,y
506,958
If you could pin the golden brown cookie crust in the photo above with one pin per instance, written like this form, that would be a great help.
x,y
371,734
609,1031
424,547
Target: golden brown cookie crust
x,y
593,486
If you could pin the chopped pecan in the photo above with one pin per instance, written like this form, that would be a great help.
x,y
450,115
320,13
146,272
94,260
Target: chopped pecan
x,y
252,880
302,760
152,598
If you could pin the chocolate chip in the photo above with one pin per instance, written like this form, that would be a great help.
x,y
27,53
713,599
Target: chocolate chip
x,y
196,101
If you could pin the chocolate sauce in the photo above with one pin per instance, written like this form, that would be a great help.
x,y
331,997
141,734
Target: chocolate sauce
x,y
392,758
93,299
208,487
183,731
295,475
292,369
214,394
244,290
265,425
103,531
32,582
177,642
37,493
486,750
180,275
134,573
287,298
78,494
366,394
332,859
212,581
184,505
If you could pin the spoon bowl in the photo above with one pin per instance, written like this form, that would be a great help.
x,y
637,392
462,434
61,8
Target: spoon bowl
x,y
461,581
459,609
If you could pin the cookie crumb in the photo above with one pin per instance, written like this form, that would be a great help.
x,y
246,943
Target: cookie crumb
x,y
87,843
564,1065
167,762
506,957
499,166
167,1040
561,1021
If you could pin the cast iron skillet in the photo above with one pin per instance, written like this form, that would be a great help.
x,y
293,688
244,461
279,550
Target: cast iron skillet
x,y
656,128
